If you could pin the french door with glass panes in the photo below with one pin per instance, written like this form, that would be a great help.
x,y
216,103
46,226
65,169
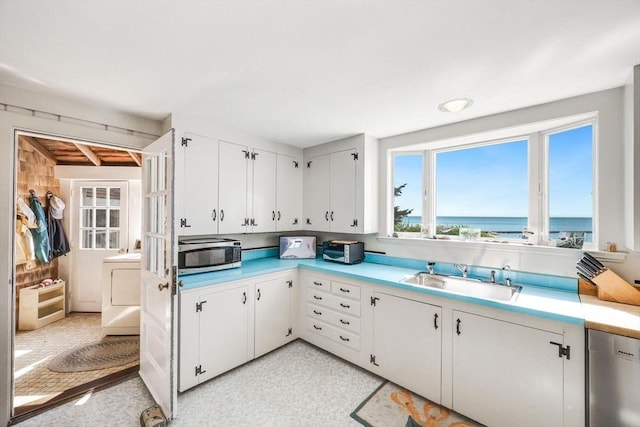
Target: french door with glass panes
x,y
100,230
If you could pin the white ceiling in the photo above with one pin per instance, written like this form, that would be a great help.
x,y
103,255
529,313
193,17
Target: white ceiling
x,y
305,72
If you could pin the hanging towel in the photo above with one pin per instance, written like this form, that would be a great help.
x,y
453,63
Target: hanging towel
x,y
40,233
24,241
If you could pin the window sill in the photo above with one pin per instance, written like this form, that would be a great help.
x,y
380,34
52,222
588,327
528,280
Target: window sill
x,y
511,246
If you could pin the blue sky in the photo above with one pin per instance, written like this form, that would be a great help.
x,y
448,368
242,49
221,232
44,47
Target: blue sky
x,y
492,180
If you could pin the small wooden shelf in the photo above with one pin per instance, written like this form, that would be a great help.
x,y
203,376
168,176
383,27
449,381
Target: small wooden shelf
x,y
41,306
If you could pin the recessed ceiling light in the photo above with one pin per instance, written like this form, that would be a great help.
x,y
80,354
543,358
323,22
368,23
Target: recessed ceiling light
x,y
455,105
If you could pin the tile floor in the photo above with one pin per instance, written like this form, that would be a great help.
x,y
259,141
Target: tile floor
x,y
34,383
296,385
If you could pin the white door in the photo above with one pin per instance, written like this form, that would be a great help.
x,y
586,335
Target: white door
x,y
197,185
158,319
317,193
289,193
264,192
273,322
407,343
506,374
100,230
232,193
343,191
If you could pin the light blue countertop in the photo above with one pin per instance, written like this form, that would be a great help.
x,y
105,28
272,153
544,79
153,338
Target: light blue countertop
x,y
538,301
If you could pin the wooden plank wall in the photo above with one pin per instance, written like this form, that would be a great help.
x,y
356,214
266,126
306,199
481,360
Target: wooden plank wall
x,y
34,172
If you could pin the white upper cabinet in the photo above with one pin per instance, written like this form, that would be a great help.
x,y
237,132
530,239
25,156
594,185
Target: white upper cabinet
x,y
341,186
317,193
196,185
264,209
288,193
232,175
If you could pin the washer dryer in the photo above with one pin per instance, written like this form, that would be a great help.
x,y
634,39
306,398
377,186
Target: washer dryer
x,y
121,294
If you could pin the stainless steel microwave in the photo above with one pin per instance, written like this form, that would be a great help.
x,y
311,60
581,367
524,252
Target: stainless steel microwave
x,y
203,254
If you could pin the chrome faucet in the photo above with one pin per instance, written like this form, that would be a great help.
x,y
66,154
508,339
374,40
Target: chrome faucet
x,y
463,268
507,267
430,265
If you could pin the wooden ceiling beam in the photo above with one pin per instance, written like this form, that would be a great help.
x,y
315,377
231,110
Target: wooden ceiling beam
x,y
89,153
39,148
136,157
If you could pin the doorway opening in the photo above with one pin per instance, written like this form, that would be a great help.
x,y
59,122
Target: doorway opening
x,y
92,193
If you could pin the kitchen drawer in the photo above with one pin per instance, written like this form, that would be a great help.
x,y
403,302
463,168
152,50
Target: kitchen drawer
x,y
344,305
340,336
345,290
340,320
319,284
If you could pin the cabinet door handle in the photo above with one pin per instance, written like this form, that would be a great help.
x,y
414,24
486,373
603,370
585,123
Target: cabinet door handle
x,y
259,294
221,214
214,215
326,216
244,298
319,313
331,216
458,326
345,305
273,215
435,320
317,297
343,338
162,286
344,322
317,283
345,290
279,216
316,327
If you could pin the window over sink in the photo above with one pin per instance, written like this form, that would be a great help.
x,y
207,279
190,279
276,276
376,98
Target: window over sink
x,y
533,187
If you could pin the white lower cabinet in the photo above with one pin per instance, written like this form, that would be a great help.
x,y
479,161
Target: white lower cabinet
x,y
506,374
333,312
407,343
223,326
273,314
216,327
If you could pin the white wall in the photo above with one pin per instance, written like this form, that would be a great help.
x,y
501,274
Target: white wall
x,y
57,117
632,158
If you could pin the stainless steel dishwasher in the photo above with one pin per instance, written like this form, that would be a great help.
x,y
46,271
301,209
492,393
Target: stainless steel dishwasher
x,y
614,380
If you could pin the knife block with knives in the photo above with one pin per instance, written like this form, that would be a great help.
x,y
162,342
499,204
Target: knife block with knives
x,y
610,286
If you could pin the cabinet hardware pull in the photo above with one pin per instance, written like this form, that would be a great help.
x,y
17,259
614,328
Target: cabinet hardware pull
x,y
213,215
319,313
273,215
345,305
562,351
435,320
331,216
316,297
326,216
259,295
289,332
344,322
244,298
317,327
343,338
279,216
221,214
458,321
317,283
345,290
162,286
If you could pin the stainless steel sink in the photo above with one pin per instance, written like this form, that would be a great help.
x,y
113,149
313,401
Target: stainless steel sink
x,y
465,286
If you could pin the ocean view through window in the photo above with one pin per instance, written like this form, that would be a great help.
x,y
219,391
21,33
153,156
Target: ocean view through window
x,y
535,189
